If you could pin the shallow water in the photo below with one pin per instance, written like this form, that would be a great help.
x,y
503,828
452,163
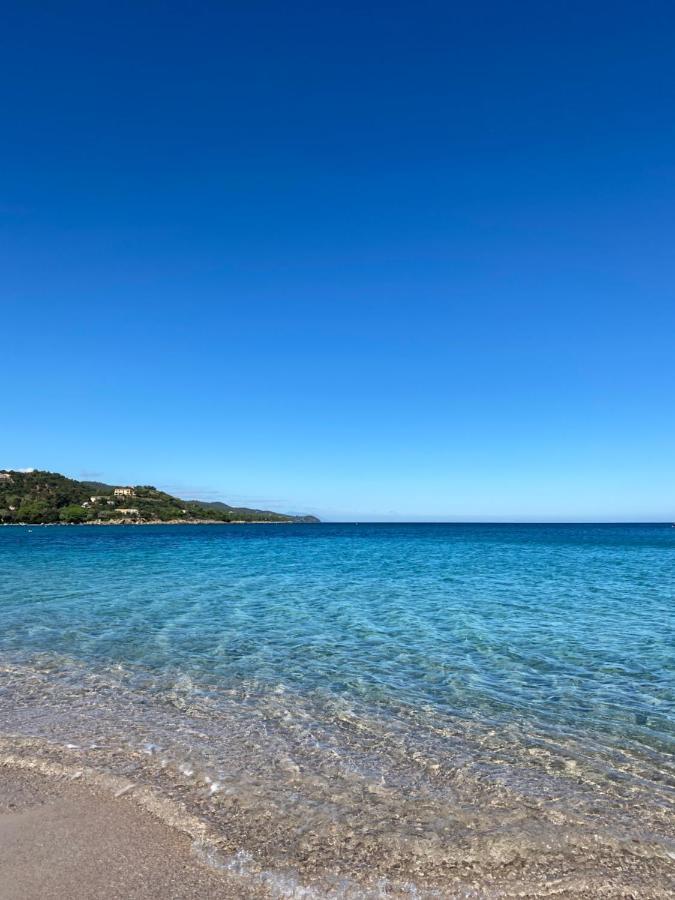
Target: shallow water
x,y
372,710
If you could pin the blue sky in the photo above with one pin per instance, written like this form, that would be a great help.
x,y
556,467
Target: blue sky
x,y
379,261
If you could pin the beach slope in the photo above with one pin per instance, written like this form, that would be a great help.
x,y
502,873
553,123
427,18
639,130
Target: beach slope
x,y
60,838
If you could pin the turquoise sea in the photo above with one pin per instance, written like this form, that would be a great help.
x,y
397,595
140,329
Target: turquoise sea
x,y
362,710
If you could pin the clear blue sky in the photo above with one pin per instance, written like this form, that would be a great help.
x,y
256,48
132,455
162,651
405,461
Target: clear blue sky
x,y
372,260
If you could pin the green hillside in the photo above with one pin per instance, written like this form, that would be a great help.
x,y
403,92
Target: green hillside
x,y
47,497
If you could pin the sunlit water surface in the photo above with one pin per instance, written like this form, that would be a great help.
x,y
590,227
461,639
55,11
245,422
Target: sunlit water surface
x,y
356,711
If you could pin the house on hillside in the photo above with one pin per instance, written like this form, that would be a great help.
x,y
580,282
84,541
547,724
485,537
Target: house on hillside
x,y
127,512
5,476
123,492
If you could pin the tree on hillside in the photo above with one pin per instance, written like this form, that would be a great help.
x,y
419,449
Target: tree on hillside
x,y
73,514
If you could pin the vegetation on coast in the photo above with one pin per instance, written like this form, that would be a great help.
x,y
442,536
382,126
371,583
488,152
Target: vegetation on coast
x,y
47,497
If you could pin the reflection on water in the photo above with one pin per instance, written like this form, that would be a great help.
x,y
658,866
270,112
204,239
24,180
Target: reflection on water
x,y
372,711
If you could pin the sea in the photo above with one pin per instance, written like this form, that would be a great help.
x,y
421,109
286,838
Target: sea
x,y
360,711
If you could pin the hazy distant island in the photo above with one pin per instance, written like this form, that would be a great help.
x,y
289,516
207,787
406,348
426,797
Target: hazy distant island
x,y
45,498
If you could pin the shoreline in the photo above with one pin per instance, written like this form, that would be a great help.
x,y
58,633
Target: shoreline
x,y
260,822
70,830
148,522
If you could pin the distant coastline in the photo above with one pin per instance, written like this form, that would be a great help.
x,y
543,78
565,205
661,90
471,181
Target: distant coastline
x,y
136,522
36,497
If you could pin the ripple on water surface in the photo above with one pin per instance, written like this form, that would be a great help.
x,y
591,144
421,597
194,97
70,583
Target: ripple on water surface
x,y
396,709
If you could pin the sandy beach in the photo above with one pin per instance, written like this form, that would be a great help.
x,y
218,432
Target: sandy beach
x,y
60,838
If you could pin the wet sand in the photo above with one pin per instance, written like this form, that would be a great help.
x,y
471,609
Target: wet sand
x,y
62,839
